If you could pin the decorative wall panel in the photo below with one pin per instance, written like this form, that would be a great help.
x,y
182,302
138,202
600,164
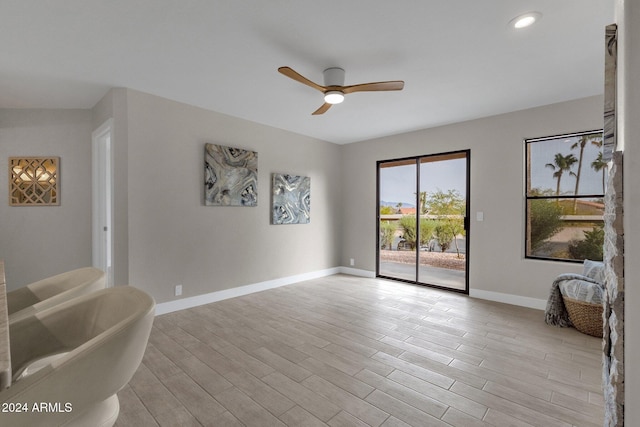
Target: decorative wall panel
x,y
34,181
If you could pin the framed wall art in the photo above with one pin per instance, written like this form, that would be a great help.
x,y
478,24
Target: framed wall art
x,y
230,176
291,199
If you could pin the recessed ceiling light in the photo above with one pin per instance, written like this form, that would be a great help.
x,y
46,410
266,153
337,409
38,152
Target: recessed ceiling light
x,y
525,20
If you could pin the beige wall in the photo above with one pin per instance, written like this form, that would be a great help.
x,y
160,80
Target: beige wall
x,y
37,242
175,239
496,258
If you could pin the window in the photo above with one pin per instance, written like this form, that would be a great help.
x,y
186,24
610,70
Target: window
x,y
565,183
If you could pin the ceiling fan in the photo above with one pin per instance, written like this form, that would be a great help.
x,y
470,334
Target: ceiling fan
x,y
334,89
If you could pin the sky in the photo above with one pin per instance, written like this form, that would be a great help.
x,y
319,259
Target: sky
x,y
398,184
543,152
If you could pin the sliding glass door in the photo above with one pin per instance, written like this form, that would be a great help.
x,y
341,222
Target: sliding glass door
x,y
422,220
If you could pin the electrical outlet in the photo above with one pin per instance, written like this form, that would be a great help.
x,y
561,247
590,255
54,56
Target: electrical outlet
x,y
178,290
352,262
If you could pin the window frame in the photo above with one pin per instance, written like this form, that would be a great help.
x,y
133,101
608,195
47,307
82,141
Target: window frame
x,y
528,197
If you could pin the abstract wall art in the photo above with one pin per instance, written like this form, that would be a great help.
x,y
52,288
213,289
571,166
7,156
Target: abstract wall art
x,y
230,176
291,198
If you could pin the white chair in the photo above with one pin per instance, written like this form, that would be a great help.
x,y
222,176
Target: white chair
x,y
87,349
53,290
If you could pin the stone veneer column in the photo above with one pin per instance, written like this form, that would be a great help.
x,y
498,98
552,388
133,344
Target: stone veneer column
x,y
613,315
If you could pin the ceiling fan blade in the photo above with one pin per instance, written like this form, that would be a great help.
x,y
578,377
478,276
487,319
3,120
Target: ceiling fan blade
x,y
374,87
289,72
323,109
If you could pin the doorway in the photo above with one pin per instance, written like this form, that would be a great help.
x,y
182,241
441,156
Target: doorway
x,y
422,226
102,209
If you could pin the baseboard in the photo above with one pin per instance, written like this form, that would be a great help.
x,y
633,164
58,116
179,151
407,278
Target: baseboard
x,y
184,303
357,272
536,303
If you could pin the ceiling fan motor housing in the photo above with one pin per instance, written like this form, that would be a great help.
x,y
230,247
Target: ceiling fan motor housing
x,y
333,76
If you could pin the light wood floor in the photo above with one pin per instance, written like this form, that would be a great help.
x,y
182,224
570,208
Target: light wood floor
x,y
348,351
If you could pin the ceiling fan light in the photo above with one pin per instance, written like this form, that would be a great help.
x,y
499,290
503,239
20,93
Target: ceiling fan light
x,y
525,20
333,97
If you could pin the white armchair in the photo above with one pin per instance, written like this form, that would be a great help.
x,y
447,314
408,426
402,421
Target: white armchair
x,y
99,340
53,290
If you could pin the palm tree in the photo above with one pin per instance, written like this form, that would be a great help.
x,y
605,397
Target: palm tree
x,y
560,165
597,141
600,165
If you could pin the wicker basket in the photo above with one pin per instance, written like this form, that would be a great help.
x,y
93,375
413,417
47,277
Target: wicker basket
x,y
586,317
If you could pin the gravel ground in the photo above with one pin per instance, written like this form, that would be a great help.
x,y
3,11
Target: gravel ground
x,y
434,259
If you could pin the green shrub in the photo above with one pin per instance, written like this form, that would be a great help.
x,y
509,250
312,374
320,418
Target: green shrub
x,y
427,228
387,232
387,210
408,225
449,207
589,248
545,221
443,235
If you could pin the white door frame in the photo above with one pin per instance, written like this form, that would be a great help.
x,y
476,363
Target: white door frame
x,y
102,203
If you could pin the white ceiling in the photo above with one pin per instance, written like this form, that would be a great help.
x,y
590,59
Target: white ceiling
x,y
459,58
